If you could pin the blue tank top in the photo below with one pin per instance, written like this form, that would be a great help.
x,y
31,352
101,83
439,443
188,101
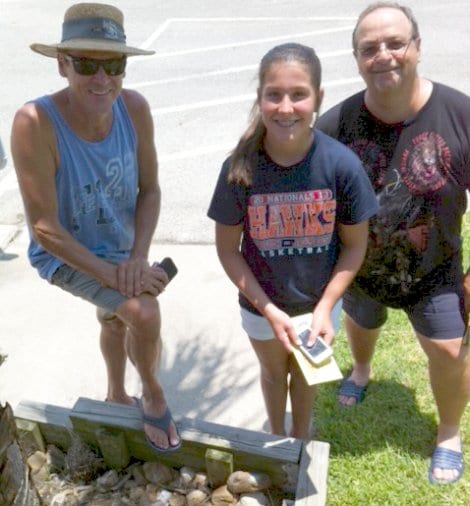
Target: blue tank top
x,y
97,186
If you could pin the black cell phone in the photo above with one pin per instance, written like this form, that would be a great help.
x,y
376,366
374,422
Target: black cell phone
x,y
169,267
319,353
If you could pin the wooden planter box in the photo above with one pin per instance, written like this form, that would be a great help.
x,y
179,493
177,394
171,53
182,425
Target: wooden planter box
x,y
296,467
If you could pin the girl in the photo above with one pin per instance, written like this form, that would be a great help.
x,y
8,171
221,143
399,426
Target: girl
x,y
291,208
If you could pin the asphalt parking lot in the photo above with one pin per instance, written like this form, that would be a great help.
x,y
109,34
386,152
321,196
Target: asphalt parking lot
x,y
200,85
201,82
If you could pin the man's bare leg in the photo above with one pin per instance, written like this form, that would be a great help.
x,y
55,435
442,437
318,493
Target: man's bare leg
x,y
112,344
142,317
449,372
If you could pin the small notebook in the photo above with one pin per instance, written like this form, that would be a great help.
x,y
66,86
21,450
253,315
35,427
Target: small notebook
x,y
328,371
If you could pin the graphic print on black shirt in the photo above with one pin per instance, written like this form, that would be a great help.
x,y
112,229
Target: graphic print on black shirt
x,y
426,164
418,171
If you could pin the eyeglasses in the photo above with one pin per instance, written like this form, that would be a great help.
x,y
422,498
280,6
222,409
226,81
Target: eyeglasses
x,y
394,47
89,67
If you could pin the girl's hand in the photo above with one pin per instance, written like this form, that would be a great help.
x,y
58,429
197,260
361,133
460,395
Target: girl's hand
x,y
282,326
322,324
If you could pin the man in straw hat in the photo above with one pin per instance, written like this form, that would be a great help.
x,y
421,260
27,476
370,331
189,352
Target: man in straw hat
x,y
87,168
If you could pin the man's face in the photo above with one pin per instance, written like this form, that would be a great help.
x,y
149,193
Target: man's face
x,y
95,87
386,55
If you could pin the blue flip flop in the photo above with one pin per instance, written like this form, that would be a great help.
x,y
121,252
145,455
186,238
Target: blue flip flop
x,y
443,458
162,423
350,389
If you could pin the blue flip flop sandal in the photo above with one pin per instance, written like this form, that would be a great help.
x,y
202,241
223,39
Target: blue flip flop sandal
x,y
162,423
349,389
443,458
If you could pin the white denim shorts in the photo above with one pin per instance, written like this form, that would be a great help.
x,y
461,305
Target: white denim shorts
x,y
257,327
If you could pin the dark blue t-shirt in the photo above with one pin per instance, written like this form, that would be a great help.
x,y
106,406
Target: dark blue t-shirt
x,y
290,216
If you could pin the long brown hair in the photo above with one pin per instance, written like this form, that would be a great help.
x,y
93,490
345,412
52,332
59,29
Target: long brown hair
x,y
244,158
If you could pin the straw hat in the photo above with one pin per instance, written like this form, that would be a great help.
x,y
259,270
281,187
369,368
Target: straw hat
x,y
91,27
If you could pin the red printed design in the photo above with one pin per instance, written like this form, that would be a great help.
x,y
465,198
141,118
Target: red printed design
x,y
292,223
373,159
425,166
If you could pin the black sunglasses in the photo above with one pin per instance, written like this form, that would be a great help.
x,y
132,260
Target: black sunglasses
x,y
89,67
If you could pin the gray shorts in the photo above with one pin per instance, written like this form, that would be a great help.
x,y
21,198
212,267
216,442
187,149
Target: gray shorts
x,y
88,288
440,315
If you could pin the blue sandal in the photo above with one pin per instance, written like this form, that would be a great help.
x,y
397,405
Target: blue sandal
x,y
162,423
349,389
443,458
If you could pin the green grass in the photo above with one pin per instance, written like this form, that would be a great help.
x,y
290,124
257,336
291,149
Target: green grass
x,y
380,451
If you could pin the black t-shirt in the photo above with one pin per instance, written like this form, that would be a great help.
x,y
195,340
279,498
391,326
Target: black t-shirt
x,y
290,215
420,171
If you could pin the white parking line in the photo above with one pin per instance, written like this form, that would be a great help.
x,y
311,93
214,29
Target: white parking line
x,y
237,99
210,149
150,40
192,153
218,47
204,104
231,70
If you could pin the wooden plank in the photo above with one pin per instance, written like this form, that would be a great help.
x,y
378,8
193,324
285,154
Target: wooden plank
x,y
113,447
53,421
279,457
212,434
30,437
313,474
219,466
251,450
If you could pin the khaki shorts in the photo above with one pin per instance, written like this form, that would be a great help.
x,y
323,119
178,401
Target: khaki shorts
x,y
88,288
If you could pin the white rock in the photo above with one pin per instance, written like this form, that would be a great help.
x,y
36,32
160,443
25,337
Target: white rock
x,y
253,499
162,498
187,475
36,461
196,497
65,498
201,481
222,496
242,482
177,499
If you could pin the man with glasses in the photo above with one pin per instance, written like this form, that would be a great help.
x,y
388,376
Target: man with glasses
x,y
87,168
413,136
